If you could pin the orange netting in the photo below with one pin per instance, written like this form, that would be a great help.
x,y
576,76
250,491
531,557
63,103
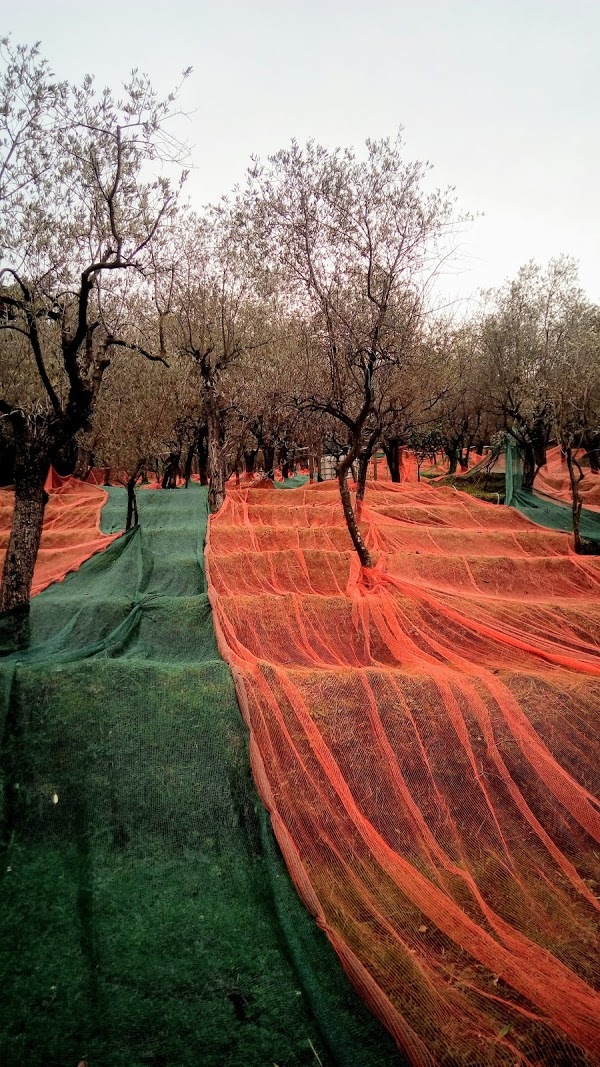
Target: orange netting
x,y
71,532
553,481
424,738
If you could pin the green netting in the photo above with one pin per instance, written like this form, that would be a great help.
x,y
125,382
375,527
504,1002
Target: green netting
x,y
540,509
147,917
293,482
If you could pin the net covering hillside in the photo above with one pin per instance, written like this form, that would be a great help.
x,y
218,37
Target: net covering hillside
x,y
424,737
146,917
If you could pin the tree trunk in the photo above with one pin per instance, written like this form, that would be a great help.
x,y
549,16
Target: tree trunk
x,y
171,471
363,470
202,450
31,469
132,511
452,454
216,465
284,465
342,475
311,468
189,461
83,463
269,460
539,448
528,465
575,477
392,455
250,455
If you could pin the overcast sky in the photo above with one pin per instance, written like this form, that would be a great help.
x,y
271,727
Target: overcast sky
x,y
502,96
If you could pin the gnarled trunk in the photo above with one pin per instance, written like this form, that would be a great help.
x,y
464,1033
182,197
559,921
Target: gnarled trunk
x,y
202,450
83,463
132,511
575,475
452,454
363,468
216,465
31,469
529,467
250,455
269,460
391,449
171,472
353,529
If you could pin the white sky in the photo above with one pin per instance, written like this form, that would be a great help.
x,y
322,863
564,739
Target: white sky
x,y
502,96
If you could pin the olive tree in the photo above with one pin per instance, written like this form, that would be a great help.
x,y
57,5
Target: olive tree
x,y
83,191
353,242
523,336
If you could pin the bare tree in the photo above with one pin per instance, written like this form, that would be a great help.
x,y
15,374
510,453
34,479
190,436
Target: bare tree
x,y
216,316
354,243
522,338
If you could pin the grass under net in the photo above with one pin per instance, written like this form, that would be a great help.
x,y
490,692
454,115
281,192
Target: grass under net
x,y
147,918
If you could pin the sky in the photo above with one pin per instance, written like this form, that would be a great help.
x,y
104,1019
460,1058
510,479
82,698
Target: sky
x,y
501,96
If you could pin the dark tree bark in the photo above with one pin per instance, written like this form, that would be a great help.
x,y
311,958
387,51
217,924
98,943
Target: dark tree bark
x,y
132,511
391,448
202,450
575,475
364,459
31,469
311,468
353,528
363,469
284,462
529,468
250,455
171,472
189,462
216,463
83,463
452,454
269,460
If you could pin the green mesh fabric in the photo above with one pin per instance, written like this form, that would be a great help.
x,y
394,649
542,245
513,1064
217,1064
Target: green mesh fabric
x,y
293,482
540,509
147,917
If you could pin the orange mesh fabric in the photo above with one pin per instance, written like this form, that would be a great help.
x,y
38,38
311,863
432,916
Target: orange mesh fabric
x,y
423,736
553,481
71,532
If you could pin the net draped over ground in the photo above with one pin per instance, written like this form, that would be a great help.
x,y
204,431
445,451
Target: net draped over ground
x,y
146,915
424,738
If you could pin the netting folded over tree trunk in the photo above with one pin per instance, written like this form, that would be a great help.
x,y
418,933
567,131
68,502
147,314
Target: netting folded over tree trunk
x,y
424,736
549,504
146,917
553,480
71,531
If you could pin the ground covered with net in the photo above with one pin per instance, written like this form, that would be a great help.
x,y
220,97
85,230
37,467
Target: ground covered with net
x,y
147,919
424,736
